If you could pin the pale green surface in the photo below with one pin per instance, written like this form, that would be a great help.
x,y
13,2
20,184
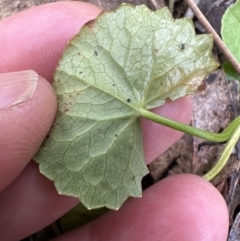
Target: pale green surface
x,y
127,60
231,29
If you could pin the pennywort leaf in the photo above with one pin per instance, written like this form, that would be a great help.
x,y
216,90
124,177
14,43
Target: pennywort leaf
x,y
124,61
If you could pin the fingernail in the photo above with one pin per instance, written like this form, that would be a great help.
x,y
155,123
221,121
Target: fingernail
x,y
17,88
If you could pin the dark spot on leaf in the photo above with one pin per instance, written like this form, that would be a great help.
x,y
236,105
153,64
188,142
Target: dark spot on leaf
x,y
90,24
113,84
116,135
128,100
66,109
95,52
182,46
156,51
161,83
168,99
80,72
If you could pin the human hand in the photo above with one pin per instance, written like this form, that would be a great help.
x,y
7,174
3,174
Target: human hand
x,y
182,207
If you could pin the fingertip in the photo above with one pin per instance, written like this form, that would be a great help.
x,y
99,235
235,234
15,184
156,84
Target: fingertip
x,y
40,204
47,29
194,206
25,124
185,206
181,207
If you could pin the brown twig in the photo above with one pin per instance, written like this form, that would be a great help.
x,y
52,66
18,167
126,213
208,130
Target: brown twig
x,y
217,39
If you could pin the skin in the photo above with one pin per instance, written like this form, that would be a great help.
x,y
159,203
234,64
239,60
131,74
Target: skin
x,y
182,207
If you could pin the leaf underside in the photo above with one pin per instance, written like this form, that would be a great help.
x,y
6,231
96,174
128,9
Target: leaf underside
x,y
125,60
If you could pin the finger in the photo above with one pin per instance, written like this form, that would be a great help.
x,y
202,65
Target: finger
x,y
182,207
30,203
27,110
35,38
31,191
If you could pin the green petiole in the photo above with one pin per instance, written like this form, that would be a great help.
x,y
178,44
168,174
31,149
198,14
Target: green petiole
x,y
231,133
225,155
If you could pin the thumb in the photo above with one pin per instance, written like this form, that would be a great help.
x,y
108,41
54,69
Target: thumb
x,y
27,110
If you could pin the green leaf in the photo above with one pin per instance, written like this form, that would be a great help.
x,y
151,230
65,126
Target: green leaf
x,y
78,216
119,64
231,29
230,72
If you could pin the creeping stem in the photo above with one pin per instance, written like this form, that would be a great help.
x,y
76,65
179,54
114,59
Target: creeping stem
x,y
225,155
231,133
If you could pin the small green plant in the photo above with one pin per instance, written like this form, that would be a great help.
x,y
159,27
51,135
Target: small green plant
x,y
114,71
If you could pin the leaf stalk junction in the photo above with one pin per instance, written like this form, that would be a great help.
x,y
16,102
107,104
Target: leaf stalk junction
x,y
231,134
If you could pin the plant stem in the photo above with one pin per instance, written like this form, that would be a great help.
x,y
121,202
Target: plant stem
x,y
225,155
232,132
217,39
171,5
215,137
